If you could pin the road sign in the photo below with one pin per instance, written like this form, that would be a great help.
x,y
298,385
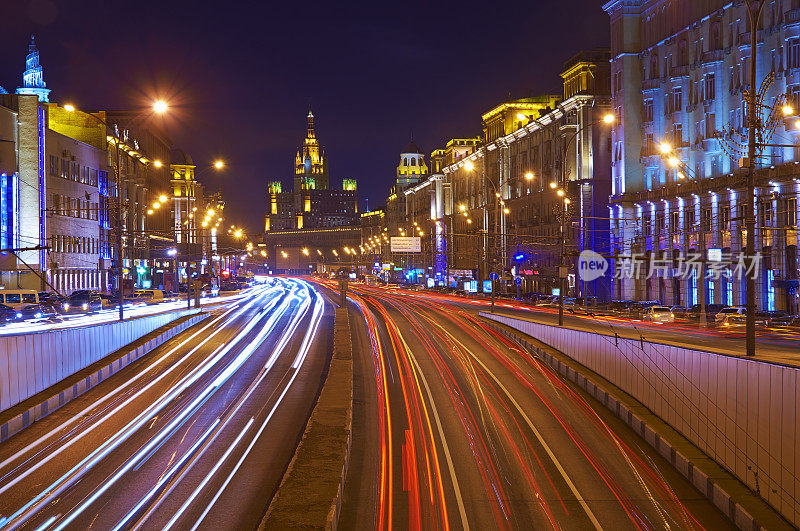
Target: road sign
x,y
493,275
518,281
405,244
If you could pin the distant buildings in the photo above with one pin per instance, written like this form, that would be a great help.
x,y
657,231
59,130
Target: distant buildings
x,y
486,204
312,216
59,198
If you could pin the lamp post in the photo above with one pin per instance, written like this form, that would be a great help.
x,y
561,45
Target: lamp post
x,y
159,107
607,119
684,171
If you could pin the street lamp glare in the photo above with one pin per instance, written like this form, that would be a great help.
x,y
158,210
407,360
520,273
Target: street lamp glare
x,y
560,193
469,166
787,110
674,161
160,106
219,164
567,201
163,199
529,176
553,185
156,204
157,163
521,117
69,108
664,148
609,118
150,212
506,211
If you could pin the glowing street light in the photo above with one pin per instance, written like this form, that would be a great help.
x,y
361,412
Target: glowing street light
x,y
469,166
787,110
674,161
529,176
69,108
157,163
219,164
553,185
560,193
163,199
609,118
664,148
160,106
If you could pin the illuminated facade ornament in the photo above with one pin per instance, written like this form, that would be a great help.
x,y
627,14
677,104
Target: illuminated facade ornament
x,y
32,78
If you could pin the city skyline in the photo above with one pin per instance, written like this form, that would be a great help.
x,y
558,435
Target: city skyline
x,y
367,99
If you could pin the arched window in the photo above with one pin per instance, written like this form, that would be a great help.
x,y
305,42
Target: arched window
x,y
405,161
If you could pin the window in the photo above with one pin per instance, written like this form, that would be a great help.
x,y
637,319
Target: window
x,y
675,221
725,218
791,212
766,214
53,167
793,52
676,101
64,169
688,221
647,111
710,87
646,228
706,219
659,223
677,135
711,125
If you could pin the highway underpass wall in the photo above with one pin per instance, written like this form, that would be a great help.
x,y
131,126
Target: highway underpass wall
x,y
33,362
743,413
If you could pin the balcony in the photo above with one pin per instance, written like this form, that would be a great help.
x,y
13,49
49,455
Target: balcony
x,y
714,56
650,84
792,16
711,145
679,71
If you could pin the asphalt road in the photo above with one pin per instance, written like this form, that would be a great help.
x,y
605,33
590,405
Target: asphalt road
x,y
456,426
196,434
774,345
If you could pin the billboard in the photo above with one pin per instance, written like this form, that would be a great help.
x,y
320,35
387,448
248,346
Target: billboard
x,y
405,244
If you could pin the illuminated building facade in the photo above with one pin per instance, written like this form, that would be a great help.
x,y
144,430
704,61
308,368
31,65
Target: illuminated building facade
x,y
480,211
680,71
311,210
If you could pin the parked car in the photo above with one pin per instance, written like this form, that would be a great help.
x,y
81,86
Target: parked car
x,y
82,301
658,314
680,312
150,296
732,320
711,311
729,310
779,318
19,297
637,310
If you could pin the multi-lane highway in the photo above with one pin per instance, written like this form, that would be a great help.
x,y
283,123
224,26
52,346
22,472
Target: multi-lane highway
x,y
195,435
456,426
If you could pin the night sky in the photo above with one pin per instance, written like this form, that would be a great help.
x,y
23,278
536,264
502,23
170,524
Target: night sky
x,y
239,76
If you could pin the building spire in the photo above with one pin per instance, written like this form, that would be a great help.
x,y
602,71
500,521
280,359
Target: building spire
x,y
33,77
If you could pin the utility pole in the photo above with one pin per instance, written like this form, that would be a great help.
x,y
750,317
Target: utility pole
x,y
750,223
120,227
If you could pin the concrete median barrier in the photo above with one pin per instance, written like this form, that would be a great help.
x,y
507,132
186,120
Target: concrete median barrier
x,y
310,493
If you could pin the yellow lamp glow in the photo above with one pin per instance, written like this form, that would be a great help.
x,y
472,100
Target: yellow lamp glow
x,y
664,148
160,106
529,176
469,166
69,108
157,163
609,118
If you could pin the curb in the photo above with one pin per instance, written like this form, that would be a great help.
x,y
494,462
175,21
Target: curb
x,y
707,485
310,493
35,412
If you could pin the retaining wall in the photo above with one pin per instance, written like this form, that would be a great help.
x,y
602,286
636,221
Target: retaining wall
x,y
743,413
33,362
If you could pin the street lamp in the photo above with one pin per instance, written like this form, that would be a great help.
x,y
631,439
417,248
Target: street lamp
x,y
159,107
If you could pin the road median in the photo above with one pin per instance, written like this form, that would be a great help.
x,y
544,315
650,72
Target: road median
x,y
310,493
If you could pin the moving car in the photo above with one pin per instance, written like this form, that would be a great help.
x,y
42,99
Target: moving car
x,y
38,311
8,314
82,301
658,314
733,320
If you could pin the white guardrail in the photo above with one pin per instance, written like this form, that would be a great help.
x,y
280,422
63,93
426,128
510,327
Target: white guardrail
x,y
31,362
